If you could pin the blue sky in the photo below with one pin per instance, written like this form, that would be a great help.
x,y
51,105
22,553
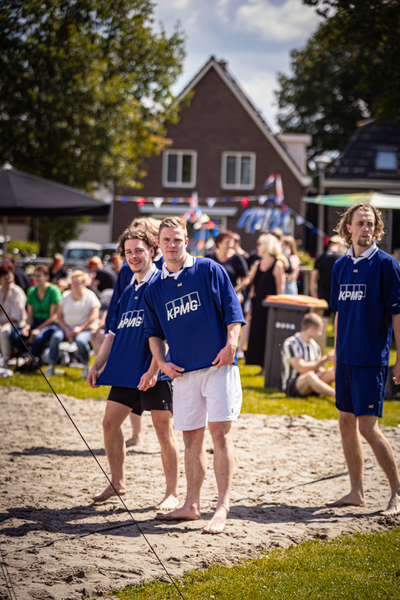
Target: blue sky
x,y
255,37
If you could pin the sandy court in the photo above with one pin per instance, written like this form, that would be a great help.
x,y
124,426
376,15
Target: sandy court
x,y
47,478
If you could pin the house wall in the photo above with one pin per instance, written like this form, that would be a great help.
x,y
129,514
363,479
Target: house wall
x,y
214,122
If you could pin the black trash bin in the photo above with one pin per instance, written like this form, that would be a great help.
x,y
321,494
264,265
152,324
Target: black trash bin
x,y
285,313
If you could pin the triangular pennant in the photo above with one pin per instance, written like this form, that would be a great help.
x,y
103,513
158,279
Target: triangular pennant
x,y
157,202
141,201
262,199
244,201
211,202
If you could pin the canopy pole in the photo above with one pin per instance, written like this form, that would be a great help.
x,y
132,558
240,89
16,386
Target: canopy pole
x,y
5,223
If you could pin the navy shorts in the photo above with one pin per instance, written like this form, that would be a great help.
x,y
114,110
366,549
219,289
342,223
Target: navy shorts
x,y
360,390
158,397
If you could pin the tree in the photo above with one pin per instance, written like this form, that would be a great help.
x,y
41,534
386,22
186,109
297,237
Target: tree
x,y
53,232
85,88
348,70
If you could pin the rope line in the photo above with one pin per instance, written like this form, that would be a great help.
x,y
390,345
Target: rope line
x,y
296,486
93,455
8,581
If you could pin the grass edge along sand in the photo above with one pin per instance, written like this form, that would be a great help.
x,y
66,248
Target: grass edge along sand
x,y
350,567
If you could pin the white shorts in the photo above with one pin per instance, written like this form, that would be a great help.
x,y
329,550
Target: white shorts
x,y
212,392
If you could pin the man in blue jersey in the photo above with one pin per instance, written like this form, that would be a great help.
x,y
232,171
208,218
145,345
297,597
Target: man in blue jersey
x,y
124,277
194,307
366,298
133,374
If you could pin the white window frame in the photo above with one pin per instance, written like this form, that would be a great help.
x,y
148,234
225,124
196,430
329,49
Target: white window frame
x,y
179,183
237,185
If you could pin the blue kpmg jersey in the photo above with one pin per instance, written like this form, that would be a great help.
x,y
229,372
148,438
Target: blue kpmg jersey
x,y
365,293
124,279
130,354
191,310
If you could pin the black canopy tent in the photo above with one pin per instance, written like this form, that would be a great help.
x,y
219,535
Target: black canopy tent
x,y
23,194
26,195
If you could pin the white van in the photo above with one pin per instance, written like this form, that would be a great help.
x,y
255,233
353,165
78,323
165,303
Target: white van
x,y
81,251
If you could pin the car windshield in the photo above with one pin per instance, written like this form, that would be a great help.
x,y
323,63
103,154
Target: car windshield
x,y
81,253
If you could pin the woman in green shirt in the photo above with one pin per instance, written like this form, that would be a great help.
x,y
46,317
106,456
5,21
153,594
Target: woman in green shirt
x,y
42,302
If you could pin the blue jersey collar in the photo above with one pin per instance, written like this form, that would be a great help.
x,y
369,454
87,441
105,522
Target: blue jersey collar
x,y
368,254
189,262
148,277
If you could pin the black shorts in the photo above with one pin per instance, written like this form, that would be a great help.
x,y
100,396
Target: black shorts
x,y
293,392
158,397
291,389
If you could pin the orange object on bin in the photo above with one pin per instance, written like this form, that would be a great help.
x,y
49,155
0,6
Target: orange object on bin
x,y
298,299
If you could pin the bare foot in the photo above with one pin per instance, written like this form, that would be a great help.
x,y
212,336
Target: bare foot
x,y
351,499
393,507
135,440
217,523
108,493
185,513
168,503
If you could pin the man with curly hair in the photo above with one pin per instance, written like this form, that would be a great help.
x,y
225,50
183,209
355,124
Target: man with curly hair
x,y
366,298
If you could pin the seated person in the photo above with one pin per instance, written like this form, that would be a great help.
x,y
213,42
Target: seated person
x,y
13,300
42,305
58,274
102,279
303,370
21,277
78,313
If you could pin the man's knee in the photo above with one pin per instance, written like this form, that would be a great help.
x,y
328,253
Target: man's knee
x,y
162,421
368,426
347,423
193,438
221,433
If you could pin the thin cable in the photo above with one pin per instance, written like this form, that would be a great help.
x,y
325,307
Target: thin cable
x,y
296,486
9,584
93,455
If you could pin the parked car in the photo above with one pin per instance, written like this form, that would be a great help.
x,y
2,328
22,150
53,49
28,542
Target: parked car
x,y
107,250
80,251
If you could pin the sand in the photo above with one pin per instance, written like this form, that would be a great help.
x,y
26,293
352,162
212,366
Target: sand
x,y
47,479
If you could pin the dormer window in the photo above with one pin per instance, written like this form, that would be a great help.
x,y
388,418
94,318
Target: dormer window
x,y
386,160
179,168
238,170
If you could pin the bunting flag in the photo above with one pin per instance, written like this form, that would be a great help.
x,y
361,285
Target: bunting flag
x,y
269,182
157,202
269,213
279,189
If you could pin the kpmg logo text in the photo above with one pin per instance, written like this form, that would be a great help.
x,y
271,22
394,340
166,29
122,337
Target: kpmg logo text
x,y
132,318
352,291
182,306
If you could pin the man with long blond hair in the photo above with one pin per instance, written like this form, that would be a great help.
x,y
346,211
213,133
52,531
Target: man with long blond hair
x,y
366,298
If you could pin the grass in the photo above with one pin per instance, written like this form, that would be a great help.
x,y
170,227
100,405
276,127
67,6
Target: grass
x,y
256,399
350,567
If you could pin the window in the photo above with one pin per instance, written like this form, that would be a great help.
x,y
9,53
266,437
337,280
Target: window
x,y
386,160
179,168
238,170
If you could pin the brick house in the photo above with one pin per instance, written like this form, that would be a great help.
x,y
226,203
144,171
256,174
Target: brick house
x,y
221,152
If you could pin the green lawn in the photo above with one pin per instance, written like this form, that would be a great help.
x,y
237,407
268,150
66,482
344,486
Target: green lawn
x,y
350,567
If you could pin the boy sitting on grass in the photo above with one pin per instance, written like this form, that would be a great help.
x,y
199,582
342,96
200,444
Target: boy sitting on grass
x,y
303,366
